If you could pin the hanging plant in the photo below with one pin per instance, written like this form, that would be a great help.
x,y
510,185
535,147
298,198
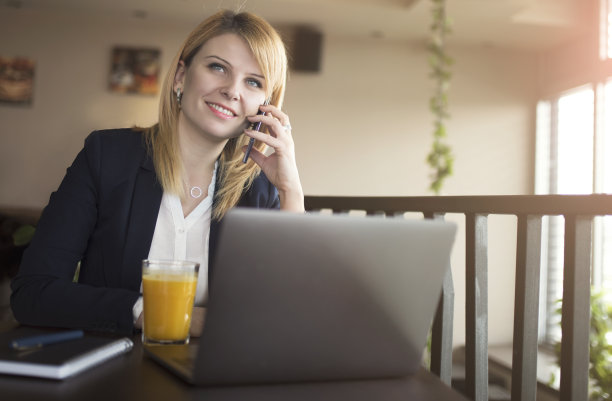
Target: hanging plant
x,y
440,158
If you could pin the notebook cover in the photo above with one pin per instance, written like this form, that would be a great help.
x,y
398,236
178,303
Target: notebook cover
x,y
61,360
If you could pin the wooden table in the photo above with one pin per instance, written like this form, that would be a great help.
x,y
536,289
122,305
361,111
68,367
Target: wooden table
x,y
136,377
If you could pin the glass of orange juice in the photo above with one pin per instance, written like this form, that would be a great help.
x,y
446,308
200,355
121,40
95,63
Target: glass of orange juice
x,y
168,291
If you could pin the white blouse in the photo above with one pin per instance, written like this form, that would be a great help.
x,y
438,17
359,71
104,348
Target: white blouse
x,y
179,237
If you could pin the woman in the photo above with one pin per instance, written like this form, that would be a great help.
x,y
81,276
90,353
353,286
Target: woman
x,y
161,192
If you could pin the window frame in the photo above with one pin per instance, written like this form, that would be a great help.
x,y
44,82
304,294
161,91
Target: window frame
x,y
545,182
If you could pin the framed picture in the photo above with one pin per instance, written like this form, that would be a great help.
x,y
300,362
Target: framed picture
x,y
135,70
16,80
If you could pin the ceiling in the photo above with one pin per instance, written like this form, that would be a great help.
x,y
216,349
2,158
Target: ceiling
x,y
525,24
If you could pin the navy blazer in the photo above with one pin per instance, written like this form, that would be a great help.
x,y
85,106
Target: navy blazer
x,y
103,215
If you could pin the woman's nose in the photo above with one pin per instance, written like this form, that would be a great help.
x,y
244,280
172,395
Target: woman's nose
x,y
231,90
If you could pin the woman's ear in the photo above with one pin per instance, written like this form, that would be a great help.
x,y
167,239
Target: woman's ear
x,y
179,76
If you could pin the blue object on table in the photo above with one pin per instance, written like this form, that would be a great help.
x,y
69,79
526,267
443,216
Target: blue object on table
x,y
45,339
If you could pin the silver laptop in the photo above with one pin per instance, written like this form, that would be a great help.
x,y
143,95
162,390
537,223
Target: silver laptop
x,y
316,297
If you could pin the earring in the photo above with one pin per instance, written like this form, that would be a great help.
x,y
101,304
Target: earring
x,y
179,96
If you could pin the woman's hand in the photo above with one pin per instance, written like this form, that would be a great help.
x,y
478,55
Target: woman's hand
x,y
197,321
280,167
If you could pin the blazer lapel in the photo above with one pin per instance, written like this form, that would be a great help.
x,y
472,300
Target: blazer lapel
x,y
146,200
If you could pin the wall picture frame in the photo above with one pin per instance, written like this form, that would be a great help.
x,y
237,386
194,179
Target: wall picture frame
x,y
17,80
135,70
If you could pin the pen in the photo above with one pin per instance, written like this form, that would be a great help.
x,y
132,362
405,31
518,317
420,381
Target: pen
x,y
45,339
256,127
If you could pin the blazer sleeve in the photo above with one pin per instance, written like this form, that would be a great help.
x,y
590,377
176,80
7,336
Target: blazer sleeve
x,y
43,292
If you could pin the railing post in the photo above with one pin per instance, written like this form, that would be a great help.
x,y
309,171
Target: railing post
x,y
476,299
576,307
442,327
526,300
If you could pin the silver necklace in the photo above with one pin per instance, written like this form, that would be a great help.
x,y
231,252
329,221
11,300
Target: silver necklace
x,y
195,192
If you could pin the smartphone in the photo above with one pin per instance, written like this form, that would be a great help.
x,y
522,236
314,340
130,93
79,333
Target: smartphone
x,y
256,126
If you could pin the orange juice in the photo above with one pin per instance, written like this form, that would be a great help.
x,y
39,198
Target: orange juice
x,y
167,305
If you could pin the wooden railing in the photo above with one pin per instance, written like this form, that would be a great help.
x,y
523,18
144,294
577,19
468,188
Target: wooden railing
x,y
578,212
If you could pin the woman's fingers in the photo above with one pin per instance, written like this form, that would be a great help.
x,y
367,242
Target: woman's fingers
x,y
278,129
269,140
277,113
275,128
276,120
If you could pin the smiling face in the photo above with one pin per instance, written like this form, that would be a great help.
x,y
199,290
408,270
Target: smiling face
x,y
221,86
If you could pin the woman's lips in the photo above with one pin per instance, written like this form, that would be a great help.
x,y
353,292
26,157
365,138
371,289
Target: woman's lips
x,y
221,111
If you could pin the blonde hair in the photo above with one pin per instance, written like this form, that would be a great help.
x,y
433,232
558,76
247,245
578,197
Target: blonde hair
x,y
234,175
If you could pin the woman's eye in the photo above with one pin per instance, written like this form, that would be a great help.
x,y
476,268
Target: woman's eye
x,y
254,82
216,67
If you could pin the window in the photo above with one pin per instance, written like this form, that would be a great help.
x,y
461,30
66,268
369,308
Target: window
x,y
564,166
574,156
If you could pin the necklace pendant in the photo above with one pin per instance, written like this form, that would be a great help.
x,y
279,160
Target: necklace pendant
x,y
195,192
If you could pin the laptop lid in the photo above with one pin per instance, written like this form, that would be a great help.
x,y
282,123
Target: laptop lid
x,y
319,297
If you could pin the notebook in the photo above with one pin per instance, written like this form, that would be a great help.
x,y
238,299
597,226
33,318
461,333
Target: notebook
x,y
61,360
315,297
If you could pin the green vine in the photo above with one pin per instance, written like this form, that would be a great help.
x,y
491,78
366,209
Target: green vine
x,y
440,158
